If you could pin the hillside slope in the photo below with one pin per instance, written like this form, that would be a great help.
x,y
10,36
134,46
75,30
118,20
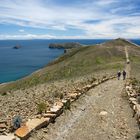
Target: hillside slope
x,y
105,58
101,113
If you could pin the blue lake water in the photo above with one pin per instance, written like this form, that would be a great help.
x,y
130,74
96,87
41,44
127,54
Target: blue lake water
x,y
33,55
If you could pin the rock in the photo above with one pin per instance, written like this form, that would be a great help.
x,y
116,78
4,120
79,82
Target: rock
x,y
55,109
23,132
17,47
65,45
132,99
73,96
34,124
64,101
58,104
128,88
87,87
45,130
8,137
134,102
95,84
79,94
2,130
103,113
3,121
3,125
49,115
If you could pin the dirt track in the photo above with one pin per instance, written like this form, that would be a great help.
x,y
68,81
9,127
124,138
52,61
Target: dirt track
x,y
85,121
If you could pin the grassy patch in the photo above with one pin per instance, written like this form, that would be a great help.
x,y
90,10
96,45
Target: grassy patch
x,y
99,60
41,107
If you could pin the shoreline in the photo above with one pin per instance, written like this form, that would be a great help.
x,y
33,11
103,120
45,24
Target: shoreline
x,y
34,72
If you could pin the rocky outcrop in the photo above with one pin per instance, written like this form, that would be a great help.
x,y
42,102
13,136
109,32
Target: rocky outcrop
x,y
65,45
17,47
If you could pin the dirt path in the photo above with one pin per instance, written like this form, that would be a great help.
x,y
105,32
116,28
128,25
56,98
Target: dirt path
x,y
128,66
85,121
103,113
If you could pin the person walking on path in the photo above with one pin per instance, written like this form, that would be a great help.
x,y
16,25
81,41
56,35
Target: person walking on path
x,y
119,75
124,74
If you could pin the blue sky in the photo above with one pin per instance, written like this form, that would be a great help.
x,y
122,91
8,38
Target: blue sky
x,y
74,19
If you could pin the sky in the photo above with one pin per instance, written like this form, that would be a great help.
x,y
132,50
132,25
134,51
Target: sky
x,y
69,19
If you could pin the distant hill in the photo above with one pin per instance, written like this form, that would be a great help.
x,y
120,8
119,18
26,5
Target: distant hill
x,y
65,45
108,57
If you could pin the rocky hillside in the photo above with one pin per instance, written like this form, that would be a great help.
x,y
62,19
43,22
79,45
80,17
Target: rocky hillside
x,y
75,70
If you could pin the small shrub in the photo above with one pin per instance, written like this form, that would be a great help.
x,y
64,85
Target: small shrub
x,y
134,81
41,107
3,94
61,96
67,105
99,60
104,77
137,136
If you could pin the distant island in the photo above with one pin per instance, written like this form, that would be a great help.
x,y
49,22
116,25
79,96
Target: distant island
x,y
17,47
65,45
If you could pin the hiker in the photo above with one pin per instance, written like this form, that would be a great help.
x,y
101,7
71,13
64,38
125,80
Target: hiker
x,y
124,74
119,75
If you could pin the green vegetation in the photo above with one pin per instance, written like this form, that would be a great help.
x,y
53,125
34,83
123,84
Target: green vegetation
x,y
67,105
137,136
41,107
99,60
3,94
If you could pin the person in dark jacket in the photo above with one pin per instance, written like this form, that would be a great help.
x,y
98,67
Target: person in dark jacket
x,y
119,75
124,74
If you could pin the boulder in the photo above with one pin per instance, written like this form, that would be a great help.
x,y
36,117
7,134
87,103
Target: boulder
x,y
57,108
34,124
3,125
58,104
132,99
49,115
64,101
73,96
103,113
128,88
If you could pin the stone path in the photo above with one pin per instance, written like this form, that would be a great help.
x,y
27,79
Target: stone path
x,y
102,114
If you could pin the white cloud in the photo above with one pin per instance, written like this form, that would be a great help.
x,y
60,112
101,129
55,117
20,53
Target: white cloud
x,y
21,30
27,36
35,13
